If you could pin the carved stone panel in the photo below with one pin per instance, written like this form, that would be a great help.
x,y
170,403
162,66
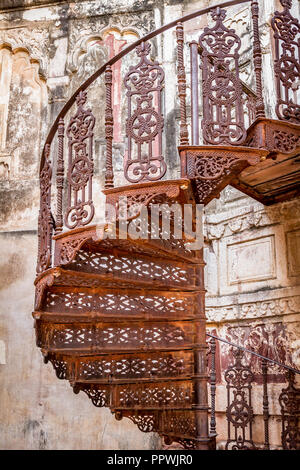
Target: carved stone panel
x,y
252,260
293,252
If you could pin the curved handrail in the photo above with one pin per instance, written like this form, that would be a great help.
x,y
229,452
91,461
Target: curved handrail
x,y
254,353
120,55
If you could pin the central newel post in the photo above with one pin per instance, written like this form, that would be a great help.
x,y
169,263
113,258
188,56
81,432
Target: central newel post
x,y
203,440
200,406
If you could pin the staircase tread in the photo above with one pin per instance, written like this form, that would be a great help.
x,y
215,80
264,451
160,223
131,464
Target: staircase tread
x,y
93,316
110,278
94,237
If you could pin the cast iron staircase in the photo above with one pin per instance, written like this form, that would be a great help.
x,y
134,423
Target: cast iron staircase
x,y
123,319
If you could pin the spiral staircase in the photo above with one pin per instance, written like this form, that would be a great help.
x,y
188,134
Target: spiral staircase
x,y
122,318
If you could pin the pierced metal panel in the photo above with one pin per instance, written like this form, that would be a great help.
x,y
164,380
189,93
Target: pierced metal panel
x,y
96,336
223,120
239,411
80,206
45,225
145,122
287,68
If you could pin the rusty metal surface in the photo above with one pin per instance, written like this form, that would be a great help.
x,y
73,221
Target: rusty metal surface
x,y
145,122
80,206
45,221
223,120
277,178
286,64
239,377
212,167
289,401
124,319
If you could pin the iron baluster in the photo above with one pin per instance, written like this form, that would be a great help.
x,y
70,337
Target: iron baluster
x,y
289,401
181,80
60,176
109,127
195,92
80,206
257,59
266,415
223,117
213,431
239,412
45,222
144,126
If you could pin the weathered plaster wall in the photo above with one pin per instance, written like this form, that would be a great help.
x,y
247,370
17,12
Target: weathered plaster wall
x,y
47,48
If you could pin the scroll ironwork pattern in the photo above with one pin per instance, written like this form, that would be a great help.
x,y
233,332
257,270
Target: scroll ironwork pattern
x,y
287,68
239,410
45,221
223,121
144,83
80,207
289,401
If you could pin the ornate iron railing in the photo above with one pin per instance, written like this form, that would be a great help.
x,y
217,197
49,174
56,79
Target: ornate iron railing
x,y
223,122
240,379
229,120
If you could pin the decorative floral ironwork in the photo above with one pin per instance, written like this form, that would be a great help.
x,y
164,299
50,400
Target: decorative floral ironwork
x,y
45,221
287,68
239,410
149,395
146,422
80,207
137,366
223,120
99,395
289,401
144,83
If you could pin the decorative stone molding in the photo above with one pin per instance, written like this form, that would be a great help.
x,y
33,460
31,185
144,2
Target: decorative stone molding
x,y
251,260
252,310
293,251
287,211
270,340
87,40
35,41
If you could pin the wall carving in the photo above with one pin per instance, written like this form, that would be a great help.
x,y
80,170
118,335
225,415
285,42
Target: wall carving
x,y
252,310
293,252
36,41
23,95
92,49
251,260
288,211
87,40
270,340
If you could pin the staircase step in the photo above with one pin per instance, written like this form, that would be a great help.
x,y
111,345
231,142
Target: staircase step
x,y
79,337
212,167
141,396
186,281
179,425
138,270
95,238
112,302
136,366
143,194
